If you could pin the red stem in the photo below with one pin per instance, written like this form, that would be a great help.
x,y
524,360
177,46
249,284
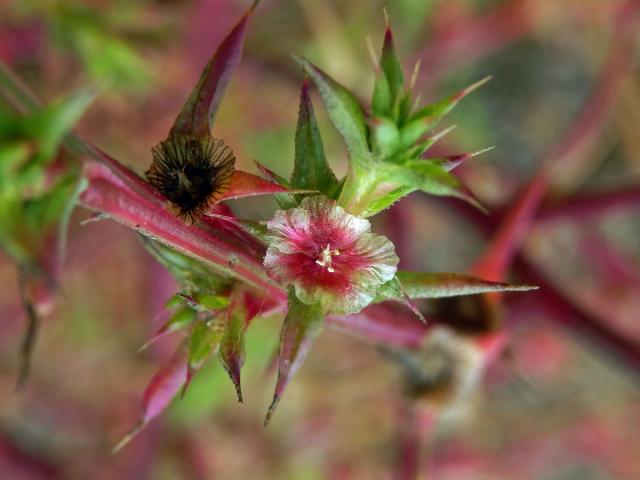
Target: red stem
x,y
591,206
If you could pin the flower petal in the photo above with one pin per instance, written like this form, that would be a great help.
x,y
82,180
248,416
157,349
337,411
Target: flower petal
x,y
329,256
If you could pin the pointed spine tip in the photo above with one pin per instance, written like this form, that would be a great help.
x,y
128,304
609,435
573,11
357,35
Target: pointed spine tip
x,y
482,150
473,87
137,428
372,54
239,393
388,36
233,370
190,372
271,410
304,91
443,133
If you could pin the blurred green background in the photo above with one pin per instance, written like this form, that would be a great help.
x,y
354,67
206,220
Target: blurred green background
x,y
557,407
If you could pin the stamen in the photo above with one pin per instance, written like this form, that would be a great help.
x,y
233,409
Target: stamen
x,y
325,259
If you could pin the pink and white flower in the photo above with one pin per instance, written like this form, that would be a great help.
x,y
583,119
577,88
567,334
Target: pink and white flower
x,y
329,256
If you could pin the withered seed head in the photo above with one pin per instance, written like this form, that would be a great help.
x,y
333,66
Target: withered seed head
x,y
192,172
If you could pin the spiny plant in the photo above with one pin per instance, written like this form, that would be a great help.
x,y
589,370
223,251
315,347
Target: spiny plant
x,y
316,259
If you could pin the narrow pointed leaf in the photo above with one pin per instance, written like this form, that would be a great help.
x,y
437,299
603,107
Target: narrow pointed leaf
x,y
385,138
285,200
162,388
232,349
207,302
381,103
198,114
344,111
245,184
180,319
245,306
54,122
300,328
434,112
385,201
204,302
271,175
204,341
403,297
453,161
311,170
423,146
385,102
440,285
390,65
429,178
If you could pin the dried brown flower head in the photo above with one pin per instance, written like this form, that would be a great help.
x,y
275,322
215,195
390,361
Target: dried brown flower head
x,y
192,172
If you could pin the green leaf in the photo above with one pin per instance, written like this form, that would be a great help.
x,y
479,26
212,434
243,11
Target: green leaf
x,y
387,92
439,285
411,133
44,212
204,302
385,201
430,178
179,320
110,60
300,328
381,102
204,339
311,170
386,138
344,111
212,302
50,125
13,154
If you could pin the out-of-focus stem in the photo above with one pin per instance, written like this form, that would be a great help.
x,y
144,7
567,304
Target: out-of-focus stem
x,y
591,206
416,424
566,313
579,137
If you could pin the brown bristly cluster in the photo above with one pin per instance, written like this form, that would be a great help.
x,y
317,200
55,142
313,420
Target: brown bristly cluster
x,y
192,172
